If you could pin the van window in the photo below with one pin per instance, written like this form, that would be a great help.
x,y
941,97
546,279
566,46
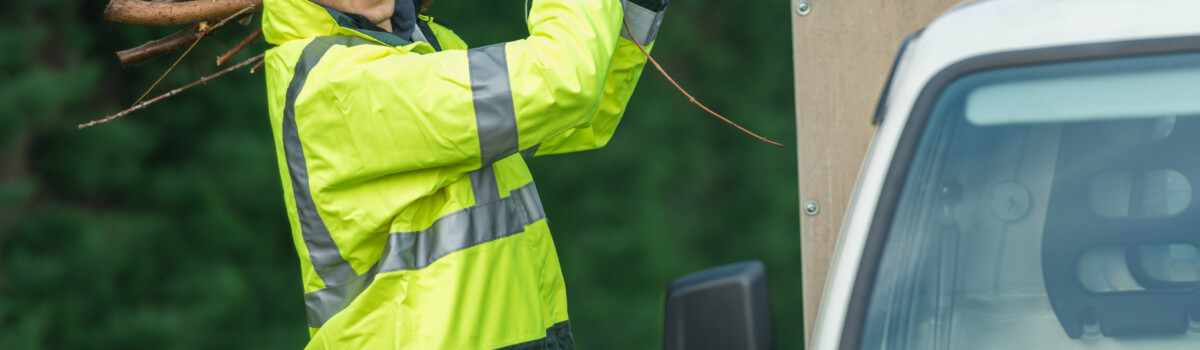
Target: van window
x,y
1050,207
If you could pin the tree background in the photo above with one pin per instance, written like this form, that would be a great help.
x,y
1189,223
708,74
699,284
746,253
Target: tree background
x,y
166,229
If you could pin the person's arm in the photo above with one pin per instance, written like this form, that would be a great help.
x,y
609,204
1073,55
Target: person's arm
x,y
623,74
460,110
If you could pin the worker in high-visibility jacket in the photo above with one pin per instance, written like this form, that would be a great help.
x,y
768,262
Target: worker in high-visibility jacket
x,y
402,155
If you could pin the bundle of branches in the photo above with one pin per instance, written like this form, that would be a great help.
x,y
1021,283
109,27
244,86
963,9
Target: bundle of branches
x,y
205,16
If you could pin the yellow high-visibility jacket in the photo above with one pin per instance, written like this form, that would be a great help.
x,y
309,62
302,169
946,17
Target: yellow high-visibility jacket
x,y
416,220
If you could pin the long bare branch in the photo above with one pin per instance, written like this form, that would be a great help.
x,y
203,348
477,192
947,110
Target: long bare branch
x,y
172,92
689,96
148,13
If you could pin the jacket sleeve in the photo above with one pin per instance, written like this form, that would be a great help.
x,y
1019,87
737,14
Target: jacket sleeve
x,y
399,111
623,74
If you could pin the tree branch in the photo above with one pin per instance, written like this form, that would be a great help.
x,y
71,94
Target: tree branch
x,y
172,92
689,96
178,40
172,13
155,48
257,66
240,45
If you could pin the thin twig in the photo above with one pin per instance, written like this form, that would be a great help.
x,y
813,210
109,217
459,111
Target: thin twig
x,y
172,67
222,59
257,66
253,7
689,96
172,92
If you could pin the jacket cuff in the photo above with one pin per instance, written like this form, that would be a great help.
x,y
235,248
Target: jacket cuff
x,y
643,23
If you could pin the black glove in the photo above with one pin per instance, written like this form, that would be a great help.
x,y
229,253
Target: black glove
x,y
652,5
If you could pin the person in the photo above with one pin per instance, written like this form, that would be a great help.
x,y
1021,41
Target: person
x,y
402,157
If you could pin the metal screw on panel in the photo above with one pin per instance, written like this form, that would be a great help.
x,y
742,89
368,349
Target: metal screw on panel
x,y
812,208
803,8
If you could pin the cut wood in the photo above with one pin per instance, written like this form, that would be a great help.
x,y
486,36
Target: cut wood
x,y
148,13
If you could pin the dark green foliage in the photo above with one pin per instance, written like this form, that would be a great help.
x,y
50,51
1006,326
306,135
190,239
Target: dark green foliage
x,y
652,5
166,229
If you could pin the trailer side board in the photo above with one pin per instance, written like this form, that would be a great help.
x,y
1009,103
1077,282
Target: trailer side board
x,y
843,51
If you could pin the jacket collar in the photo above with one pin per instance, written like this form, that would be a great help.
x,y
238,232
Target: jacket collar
x,y
286,20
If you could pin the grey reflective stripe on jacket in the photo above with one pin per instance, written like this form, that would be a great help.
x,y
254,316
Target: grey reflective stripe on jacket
x,y
326,259
416,250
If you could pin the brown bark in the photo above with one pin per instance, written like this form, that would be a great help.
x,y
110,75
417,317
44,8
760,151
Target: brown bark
x,y
155,48
148,13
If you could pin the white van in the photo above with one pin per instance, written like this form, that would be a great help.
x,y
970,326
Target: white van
x,y
1032,185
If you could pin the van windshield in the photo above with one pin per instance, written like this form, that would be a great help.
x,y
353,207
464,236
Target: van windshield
x,y
1050,207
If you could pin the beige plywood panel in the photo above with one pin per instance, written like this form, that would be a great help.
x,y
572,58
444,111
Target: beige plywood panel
x,y
843,52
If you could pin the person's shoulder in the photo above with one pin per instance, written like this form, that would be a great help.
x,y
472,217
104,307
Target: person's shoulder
x,y
448,39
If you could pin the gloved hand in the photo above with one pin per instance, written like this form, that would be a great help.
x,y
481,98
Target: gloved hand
x,y
652,5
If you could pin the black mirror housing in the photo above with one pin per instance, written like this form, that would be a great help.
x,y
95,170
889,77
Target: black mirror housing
x,y
726,307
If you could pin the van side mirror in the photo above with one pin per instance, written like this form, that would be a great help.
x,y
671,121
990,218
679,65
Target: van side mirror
x,y
726,307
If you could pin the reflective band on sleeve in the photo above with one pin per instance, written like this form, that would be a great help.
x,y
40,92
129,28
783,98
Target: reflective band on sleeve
x,y
326,259
495,116
492,94
416,250
643,22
